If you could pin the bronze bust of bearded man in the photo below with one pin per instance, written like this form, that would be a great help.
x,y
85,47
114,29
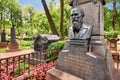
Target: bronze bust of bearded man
x,y
79,32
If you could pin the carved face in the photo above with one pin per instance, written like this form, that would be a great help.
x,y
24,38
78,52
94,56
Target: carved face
x,y
77,16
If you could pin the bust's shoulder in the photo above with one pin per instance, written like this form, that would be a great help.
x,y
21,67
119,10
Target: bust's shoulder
x,y
87,24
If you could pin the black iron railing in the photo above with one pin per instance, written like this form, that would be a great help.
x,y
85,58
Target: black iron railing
x,y
18,65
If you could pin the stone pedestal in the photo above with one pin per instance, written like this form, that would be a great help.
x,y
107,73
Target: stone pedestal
x,y
12,46
3,44
55,74
75,60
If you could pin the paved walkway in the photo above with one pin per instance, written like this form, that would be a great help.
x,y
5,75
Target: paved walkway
x,y
11,54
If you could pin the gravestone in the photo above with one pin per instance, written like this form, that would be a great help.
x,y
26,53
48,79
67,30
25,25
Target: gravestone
x,y
13,45
92,61
41,43
3,42
13,35
3,36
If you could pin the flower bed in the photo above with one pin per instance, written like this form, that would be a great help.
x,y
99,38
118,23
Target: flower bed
x,y
37,72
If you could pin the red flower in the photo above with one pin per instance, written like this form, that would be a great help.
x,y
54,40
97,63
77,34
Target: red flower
x,y
23,70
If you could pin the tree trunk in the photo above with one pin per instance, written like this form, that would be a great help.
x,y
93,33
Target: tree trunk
x,y
61,18
52,26
11,18
114,15
1,15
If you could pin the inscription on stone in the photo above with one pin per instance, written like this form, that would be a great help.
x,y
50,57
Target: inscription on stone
x,y
79,64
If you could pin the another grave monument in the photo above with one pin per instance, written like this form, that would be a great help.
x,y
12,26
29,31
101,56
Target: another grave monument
x,y
3,42
13,45
85,55
41,43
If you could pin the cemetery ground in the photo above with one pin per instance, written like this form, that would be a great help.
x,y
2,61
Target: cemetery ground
x,y
21,65
19,69
38,74
23,45
16,66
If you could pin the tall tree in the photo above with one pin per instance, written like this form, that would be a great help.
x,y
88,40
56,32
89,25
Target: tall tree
x,y
62,17
115,13
52,26
2,12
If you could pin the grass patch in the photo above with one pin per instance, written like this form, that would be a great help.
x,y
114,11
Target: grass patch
x,y
2,50
24,45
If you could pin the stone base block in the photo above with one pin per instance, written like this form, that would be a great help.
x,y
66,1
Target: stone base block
x,y
12,47
3,44
117,74
55,74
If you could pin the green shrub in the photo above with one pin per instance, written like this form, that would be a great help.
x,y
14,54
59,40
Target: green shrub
x,y
111,34
25,45
2,50
28,38
56,45
22,66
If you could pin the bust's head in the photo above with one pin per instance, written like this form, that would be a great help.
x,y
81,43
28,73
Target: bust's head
x,y
77,15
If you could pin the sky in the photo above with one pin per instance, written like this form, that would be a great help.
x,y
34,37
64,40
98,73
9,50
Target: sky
x,y
110,6
36,3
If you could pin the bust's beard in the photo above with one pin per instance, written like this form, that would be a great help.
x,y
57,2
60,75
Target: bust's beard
x,y
76,26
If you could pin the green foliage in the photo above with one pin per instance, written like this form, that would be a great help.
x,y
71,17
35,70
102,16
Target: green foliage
x,y
52,56
111,34
2,50
107,19
109,14
22,66
30,21
56,45
27,39
25,45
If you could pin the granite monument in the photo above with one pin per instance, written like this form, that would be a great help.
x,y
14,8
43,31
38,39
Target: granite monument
x,y
92,61
13,45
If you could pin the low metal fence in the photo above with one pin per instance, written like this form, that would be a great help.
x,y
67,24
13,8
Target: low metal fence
x,y
17,65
